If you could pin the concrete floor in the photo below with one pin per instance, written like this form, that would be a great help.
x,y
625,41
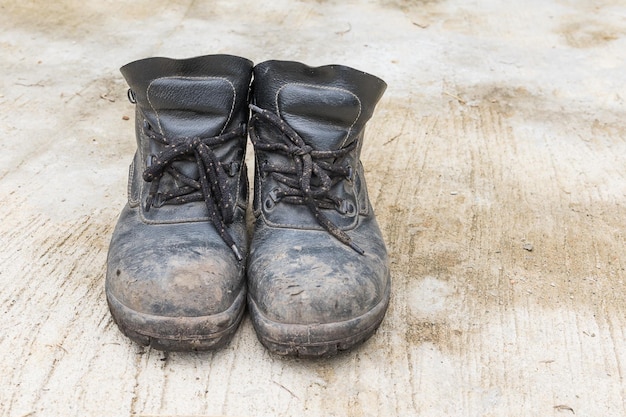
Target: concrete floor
x,y
495,161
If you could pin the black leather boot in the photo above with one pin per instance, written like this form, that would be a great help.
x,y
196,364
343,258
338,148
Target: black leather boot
x,y
318,272
175,270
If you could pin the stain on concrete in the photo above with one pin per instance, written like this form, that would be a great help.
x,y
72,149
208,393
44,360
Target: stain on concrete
x,y
73,18
590,33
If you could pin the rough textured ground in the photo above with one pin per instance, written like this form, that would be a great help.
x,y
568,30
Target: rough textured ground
x,y
495,161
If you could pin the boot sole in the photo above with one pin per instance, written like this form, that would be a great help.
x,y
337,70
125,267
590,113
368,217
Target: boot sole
x,y
316,340
178,333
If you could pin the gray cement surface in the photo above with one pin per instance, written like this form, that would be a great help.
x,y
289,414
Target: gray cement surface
x,y
495,163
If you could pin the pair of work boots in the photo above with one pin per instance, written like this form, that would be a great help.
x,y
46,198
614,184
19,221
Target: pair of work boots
x,y
181,267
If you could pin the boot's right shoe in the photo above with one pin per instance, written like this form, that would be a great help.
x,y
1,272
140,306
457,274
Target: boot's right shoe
x,y
318,272
175,269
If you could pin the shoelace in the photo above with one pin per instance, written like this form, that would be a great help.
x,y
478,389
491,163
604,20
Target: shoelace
x,y
210,186
299,186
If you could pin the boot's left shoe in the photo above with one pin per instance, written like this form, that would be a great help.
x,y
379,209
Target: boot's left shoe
x,y
318,273
175,270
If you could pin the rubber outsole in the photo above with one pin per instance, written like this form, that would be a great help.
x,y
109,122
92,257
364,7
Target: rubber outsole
x,y
179,333
316,340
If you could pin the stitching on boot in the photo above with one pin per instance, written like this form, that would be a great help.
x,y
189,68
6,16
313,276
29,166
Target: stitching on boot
x,y
232,107
230,115
343,90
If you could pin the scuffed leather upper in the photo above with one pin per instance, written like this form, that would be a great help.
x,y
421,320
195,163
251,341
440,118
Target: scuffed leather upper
x,y
328,107
169,260
297,271
197,97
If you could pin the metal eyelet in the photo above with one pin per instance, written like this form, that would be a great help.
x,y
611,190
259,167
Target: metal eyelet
x,y
158,201
233,168
271,200
148,203
346,208
269,204
146,128
150,160
350,176
131,96
262,171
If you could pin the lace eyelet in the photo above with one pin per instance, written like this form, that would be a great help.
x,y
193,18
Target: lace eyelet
x,y
262,171
131,96
271,200
146,127
346,208
268,204
150,160
232,169
350,176
147,204
158,201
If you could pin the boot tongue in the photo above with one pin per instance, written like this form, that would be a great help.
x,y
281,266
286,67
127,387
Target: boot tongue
x,y
184,107
189,107
322,116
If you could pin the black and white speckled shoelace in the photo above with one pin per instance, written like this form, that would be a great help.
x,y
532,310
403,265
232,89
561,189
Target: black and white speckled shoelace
x,y
310,178
210,186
